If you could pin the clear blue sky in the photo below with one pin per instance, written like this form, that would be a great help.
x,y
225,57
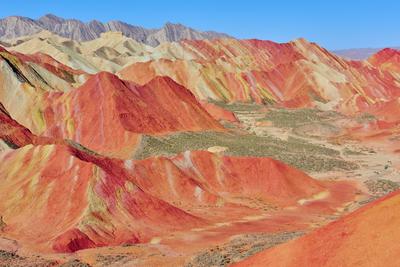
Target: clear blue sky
x,y
334,24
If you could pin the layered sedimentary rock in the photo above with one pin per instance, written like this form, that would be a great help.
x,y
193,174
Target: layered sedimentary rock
x,y
105,114
109,52
69,132
387,59
112,124
77,199
13,134
294,74
53,201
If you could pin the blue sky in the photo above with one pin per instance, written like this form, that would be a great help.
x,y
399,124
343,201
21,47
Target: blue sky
x,y
333,24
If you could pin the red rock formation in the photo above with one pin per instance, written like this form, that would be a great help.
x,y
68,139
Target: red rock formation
x,y
386,59
294,74
12,132
71,241
219,113
41,70
108,115
78,199
15,135
262,178
54,201
52,65
105,114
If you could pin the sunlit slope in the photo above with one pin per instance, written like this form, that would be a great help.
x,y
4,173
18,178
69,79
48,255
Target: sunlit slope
x,y
367,237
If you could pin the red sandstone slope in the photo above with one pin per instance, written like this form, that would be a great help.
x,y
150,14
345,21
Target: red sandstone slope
x,y
77,199
41,70
105,114
161,106
198,178
239,177
387,59
12,132
108,115
218,113
60,203
16,135
66,73
367,237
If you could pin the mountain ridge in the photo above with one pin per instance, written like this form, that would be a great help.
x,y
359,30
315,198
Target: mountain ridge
x,y
233,70
16,26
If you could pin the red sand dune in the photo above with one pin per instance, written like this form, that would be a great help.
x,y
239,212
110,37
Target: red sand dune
x,y
366,237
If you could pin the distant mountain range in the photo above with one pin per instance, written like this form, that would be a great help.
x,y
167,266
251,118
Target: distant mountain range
x,y
17,26
358,53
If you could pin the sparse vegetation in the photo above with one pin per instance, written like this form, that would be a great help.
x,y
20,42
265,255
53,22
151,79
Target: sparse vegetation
x,y
240,248
381,187
75,263
2,224
350,152
10,258
9,255
238,106
81,147
110,260
365,117
295,152
292,118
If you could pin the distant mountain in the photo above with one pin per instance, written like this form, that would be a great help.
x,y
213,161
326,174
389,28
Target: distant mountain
x,y
357,53
16,26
